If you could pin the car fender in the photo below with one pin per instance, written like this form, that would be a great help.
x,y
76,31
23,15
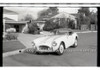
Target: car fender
x,y
59,41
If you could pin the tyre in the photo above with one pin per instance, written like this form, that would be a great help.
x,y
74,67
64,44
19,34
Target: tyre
x,y
75,43
60,49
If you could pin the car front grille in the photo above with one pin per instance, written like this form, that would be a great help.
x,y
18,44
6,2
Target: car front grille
x,y
43,47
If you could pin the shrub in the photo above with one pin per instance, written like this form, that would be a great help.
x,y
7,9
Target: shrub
x,y
71,24
11,36
11,30
49,25
7,26
33,28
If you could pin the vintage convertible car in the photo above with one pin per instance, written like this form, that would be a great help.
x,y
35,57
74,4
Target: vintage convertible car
x,y
56,42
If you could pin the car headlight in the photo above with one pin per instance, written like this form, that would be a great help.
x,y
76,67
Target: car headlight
x,y
54,43
33,44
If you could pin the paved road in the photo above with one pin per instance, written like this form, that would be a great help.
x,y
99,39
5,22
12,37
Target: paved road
x,y
84,55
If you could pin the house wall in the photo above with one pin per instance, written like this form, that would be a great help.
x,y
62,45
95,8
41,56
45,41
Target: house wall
x,y
93,27
25,28
84,27
40,25
20,27
11,16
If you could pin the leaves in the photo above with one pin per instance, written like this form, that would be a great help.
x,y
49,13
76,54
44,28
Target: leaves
x,y
50,26
28,17
46,13
33,28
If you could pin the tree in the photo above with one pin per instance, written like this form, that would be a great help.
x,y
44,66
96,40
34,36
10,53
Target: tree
x,y
33,28
50,26
87,17
28,17
84,10
84,15
46,13
7,26
71,24
93,18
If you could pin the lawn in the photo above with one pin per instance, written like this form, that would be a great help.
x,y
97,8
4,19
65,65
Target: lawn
x,y
12,45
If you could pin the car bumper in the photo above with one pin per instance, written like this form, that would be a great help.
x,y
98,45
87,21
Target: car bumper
x,y
37,49
40,50
44,51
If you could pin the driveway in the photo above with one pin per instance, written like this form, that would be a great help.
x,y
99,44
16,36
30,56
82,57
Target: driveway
x,y
26,39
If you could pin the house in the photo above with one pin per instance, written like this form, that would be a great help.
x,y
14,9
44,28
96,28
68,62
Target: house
x,y
61,18
11,18
10,14
66,18
40,24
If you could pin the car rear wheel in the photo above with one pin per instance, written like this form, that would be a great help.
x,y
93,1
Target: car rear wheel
x,y
61,49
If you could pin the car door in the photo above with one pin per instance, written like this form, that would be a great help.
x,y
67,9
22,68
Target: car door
x,y
67,40
70,40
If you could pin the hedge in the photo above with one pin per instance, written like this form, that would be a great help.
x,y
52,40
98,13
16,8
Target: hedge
x,y
11,36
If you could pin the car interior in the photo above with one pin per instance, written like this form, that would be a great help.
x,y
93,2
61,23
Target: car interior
x,y
70,32
57,32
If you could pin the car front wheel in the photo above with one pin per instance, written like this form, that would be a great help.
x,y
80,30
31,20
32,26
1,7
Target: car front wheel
x,y
60,49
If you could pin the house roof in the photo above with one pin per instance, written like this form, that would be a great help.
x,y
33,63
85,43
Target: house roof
x,y
43,18
6,11
39,21
16,22
76,15
6,18
63,15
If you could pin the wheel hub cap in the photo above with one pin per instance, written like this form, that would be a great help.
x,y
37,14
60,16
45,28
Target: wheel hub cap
x,y
61,49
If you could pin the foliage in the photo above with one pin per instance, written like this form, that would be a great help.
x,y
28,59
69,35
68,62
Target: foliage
x,y
84,10
28,17
11,30
88,18
51,11
33,28
84,16
93,18
71,24
7,26
11,36
49,25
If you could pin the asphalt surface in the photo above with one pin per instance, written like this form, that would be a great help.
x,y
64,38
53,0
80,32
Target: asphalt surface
x,y
84,55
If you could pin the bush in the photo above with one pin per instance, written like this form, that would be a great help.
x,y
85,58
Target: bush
x,y
71,24
33,28
49,25
11,36
7,26
11,30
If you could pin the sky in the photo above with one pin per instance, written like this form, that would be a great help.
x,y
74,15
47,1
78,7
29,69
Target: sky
x,y
22,11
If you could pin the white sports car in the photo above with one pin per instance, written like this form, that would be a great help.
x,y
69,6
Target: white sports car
x,y
55,43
